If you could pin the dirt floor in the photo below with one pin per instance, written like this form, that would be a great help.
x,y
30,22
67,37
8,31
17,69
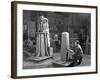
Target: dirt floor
x,y
27,64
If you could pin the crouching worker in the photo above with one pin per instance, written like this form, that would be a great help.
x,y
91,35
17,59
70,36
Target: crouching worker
x,y
78,54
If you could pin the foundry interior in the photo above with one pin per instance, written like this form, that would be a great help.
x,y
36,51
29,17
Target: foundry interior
x,y
73,26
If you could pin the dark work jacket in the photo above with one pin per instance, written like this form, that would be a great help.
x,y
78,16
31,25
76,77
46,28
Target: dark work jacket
x,y
78,50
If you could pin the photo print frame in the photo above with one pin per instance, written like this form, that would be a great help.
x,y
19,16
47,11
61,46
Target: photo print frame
x,y
49,39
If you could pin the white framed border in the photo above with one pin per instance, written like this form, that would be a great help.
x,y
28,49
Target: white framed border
x,y
50,71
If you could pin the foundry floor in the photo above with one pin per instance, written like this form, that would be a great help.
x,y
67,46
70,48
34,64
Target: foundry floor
x,y
48,63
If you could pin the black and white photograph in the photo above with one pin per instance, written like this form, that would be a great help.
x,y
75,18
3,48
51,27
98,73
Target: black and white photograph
x,y
53,39
56,39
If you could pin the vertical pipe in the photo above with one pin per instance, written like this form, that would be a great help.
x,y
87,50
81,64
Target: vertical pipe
x,y
28,31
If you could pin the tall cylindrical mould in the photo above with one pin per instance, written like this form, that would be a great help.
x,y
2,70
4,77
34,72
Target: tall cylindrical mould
x,y
64,46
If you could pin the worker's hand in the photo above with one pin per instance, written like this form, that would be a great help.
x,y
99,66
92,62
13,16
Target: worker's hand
x,y
70,51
